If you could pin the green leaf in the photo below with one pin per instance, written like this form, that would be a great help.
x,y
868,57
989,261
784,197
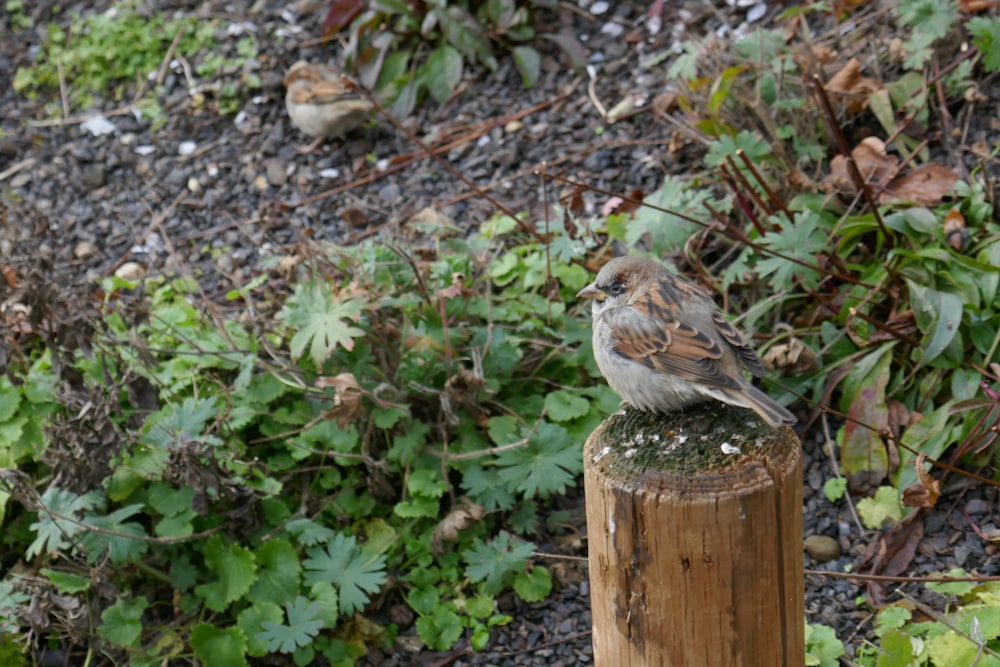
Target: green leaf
x,y
345,566
178,423
883,508
822,646
234,566
986,36
426,482
487,489
834,488
494,563
897,650
440,630
753,145
54,534
115,536
219,648
121,623
325,596
863,454
303,625
564,405
10,399
444,72
307,532
547,464
929,435
67,582
322,322
278,573
666,230
533,586
529,64
892,618
937,312
951,648
958,588
250,620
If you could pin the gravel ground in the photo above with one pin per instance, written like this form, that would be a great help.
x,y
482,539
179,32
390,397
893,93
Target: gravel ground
x,y
216,194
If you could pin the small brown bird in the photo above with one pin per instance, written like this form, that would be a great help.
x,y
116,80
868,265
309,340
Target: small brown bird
x,y
663,344
320,105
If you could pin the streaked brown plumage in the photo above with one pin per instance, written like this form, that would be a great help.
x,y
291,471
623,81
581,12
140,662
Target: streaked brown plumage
x,y
320,105
663,344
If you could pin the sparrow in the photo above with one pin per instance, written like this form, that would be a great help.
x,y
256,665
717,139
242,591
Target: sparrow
x,y
662,343
320,105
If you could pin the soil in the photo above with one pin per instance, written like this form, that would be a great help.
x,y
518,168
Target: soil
x,y
218,194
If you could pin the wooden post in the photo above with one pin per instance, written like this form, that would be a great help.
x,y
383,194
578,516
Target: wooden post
x,y
695,554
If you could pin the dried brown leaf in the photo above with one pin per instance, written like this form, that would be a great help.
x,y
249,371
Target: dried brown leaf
x,y
459,518
926,185
793,357
876,168
976,6
851,86
955,233
891,552
346,398
927,491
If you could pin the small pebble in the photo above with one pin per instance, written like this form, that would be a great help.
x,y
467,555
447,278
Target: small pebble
x,y
513,126
822,548
130,271
94,176
85,250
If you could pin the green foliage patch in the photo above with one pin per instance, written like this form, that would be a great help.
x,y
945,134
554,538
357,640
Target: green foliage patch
x,y
108,57
388,436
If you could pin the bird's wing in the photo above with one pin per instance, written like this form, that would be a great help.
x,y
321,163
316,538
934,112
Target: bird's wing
x,y
665,344
327,92
746,354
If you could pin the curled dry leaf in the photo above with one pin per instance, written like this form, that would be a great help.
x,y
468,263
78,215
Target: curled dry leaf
x,y
891,552
955,233
927,491
849,85
346,398
926,185
875,166
791,358
664,103
459,518
976,6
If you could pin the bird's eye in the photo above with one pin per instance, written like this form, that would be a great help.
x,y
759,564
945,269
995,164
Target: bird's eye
x,y
615,289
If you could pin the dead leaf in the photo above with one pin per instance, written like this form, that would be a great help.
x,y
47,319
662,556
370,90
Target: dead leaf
x,y
927,492
851,86
955,233
926,185
664,103
791,358
340,15
900,324
346,398
976,6
459,518
876,168
355,217
890,553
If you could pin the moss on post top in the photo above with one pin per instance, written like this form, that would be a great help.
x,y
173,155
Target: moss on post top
x,y
701,439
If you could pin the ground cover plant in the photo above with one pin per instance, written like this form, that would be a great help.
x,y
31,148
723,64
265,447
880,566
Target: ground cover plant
x,y
359,440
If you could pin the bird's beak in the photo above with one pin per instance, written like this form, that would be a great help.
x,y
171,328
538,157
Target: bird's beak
x,y
591,292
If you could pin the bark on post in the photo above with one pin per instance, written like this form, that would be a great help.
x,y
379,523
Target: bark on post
x,y
695,554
